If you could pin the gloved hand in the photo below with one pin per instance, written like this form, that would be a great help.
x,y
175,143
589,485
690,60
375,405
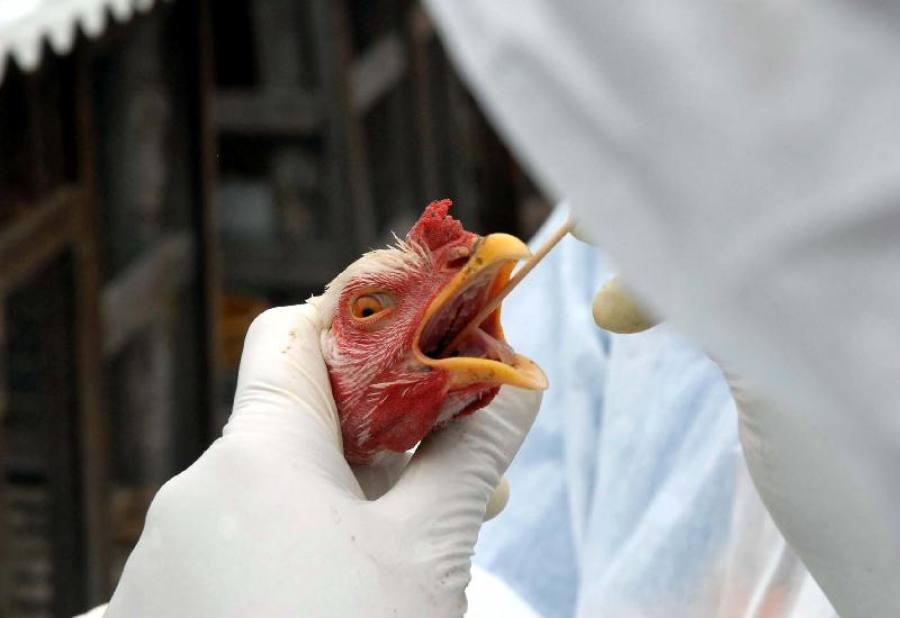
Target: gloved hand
x,y
271,521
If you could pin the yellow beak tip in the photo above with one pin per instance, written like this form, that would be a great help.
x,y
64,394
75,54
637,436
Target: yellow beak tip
x,y
497,247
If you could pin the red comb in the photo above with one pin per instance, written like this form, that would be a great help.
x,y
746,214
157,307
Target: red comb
x,y
435,228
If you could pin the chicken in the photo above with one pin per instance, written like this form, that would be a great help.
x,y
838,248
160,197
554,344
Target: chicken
x,y
389,317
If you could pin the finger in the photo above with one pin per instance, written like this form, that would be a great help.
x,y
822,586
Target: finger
x,y
456,470
283,388
615,309
498,500
376,479
583,234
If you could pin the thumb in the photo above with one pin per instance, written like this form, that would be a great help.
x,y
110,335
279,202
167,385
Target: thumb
x,y
283,394
451,478
616,309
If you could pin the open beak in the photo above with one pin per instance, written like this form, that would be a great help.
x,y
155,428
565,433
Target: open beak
x,y
485,358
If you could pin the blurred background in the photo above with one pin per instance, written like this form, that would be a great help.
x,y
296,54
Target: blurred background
x,y
161,183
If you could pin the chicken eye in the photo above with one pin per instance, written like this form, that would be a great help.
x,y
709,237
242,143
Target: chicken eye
x,y
369,305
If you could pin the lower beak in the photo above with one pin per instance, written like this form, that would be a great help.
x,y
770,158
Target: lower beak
x,y
494,255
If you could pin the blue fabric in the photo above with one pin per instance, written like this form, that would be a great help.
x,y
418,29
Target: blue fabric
x,y
622,492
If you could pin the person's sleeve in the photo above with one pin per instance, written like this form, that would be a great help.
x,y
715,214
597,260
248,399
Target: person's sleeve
x,y
741,162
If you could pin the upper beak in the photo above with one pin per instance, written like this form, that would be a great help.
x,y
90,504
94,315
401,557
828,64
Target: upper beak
x,y
495,253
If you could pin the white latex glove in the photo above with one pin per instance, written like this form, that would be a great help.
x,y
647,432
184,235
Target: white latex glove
x,y
271,521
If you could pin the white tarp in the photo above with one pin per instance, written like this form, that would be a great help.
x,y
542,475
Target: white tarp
x,y
25,26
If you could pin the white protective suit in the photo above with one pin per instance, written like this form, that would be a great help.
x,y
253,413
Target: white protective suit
x,y
741,161
630,496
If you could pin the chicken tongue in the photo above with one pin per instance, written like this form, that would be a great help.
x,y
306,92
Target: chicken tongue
x,y
482,344
515,280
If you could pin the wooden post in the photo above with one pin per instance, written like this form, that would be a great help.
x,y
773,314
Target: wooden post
x,y
280,55
420,36
349,190
383,93
93,423
135,169
5,584
74,543
203,221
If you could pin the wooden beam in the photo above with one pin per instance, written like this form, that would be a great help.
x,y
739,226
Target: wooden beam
x,y
92,427
348,186
282,62
397,140
204,230
32,240
463,158
422,74
421,26
4,395
377,72
5,554
55,326
145,290
38,173
283,112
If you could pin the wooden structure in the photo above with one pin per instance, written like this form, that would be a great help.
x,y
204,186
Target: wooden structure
x,y
337,122
107,284
329,124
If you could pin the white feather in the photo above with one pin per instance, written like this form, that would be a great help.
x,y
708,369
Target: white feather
x,y
397,258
